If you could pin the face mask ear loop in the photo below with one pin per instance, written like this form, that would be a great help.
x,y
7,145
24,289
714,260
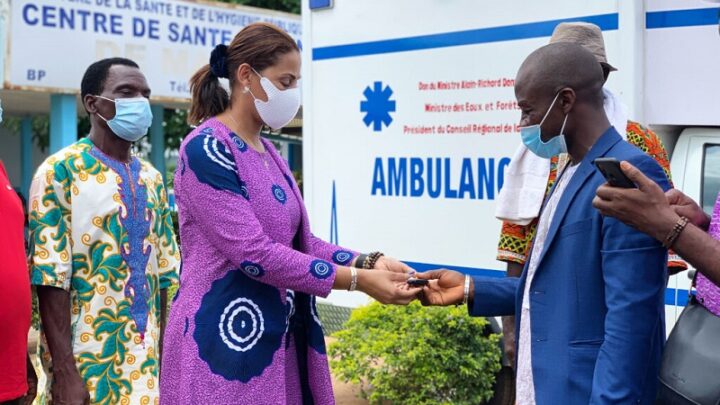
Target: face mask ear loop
x,y
550,108
107,99
563,125
248,87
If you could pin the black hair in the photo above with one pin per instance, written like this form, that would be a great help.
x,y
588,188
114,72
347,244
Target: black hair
x,y
94,78
260,45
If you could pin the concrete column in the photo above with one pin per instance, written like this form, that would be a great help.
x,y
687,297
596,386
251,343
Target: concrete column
x,y
63,121
291,157
157,139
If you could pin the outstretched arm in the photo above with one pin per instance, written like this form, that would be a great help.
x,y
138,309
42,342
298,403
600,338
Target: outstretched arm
x,y
487,296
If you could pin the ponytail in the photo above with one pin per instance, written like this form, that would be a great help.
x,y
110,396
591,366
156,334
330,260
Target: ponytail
x,y
209,98
258,44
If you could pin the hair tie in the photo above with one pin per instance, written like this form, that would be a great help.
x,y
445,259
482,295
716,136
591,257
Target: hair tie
x,y
218,58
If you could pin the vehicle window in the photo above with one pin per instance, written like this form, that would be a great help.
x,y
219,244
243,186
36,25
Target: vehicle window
x,y
711,177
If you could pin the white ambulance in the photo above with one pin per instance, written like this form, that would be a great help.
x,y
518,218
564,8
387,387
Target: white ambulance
x,y
410,117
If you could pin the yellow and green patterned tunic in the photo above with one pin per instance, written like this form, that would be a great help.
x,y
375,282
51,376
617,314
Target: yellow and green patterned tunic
x,y
102,230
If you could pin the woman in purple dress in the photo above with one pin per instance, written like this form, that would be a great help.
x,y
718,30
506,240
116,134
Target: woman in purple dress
x,y
708,293
243,328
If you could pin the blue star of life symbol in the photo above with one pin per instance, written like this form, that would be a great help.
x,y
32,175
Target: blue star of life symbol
x,y
377,106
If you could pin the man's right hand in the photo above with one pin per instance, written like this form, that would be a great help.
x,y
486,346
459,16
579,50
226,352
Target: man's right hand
x,y
687,207
68,387
446,287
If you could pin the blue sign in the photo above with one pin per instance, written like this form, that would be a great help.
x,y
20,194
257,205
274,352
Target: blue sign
x,y
320,4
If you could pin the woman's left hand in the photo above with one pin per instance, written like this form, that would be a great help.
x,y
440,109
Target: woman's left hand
x,y
390,264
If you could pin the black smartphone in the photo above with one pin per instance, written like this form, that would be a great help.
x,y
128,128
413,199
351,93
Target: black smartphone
x,y
610,169
417,282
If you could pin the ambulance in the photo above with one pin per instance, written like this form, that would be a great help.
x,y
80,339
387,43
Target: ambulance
x,y
410,120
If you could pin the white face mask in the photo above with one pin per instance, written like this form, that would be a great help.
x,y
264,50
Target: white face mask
x,y
281,107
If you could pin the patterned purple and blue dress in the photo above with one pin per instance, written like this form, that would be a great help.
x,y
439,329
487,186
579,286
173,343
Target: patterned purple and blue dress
x,y
707,292
244,328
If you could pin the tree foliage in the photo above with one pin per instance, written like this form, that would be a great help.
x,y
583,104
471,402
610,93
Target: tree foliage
x,y
290,6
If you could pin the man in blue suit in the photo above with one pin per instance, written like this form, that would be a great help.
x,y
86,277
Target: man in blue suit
x,y
589,305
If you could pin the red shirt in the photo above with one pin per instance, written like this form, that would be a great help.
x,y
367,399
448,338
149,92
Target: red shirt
x,y
15,304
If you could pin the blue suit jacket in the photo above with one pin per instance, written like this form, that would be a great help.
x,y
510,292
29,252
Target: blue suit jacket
x,y
597,297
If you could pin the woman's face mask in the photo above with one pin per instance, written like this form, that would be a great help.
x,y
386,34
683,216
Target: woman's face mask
x,y
281,106
532,137
133,118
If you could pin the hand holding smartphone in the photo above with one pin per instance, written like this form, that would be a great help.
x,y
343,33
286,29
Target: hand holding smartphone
x,y
610,169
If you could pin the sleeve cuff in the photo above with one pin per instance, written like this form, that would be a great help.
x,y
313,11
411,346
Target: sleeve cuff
x,y
40,281
493,296
511,257
167,282
344,257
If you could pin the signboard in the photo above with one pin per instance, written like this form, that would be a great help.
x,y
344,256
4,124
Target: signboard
x,y
410,121
682,61
51,42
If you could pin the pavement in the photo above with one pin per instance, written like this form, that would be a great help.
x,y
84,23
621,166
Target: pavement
x,y
345,394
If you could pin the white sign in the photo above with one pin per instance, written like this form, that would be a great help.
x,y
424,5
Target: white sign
x,y
52,42
410,120
682,61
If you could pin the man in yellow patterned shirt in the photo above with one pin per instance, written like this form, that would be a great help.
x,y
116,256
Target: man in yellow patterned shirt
x,y
103,250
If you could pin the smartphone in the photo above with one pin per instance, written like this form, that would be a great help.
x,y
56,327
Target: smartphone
x,y
610,169
417,282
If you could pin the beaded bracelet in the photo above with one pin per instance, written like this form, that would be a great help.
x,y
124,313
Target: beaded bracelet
x,y
675,233
372,259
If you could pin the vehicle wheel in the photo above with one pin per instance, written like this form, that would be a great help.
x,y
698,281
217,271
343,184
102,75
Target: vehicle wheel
x,y
504,387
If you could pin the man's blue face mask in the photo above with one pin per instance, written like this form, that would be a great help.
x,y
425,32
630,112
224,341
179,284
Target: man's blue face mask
x,y
133,118
532,137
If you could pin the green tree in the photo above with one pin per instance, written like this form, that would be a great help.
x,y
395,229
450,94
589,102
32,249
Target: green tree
x,y
290,6
176,127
